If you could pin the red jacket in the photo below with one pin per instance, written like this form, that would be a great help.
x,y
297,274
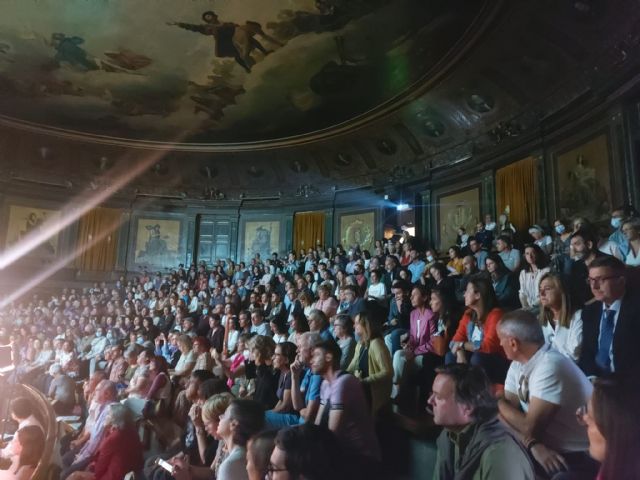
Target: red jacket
x,y
490,341
119,453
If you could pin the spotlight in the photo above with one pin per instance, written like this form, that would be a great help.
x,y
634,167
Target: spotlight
x,y
403,207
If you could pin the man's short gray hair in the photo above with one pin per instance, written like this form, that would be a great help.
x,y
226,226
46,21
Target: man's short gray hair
x,y
120,416
522,325
311,338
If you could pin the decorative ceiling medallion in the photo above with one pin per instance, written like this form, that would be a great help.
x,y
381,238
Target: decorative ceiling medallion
x,y
255,172
298,166
343,159
208,171
432,127
480,103
386,146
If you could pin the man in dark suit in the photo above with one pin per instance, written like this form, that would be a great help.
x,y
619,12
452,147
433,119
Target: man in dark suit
x,y
611,324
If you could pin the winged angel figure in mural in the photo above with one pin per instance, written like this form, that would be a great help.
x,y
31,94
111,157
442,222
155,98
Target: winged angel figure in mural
x,y
232,40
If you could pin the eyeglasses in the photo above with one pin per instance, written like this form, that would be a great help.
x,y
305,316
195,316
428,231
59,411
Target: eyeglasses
x,y
271,469
599,280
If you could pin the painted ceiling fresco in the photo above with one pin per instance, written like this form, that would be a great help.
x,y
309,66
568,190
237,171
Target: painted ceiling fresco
x,y
219,71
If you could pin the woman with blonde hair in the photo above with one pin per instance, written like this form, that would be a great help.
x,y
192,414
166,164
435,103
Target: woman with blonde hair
x,y
371,362
631,231
188,358
561,322
306,300
212,410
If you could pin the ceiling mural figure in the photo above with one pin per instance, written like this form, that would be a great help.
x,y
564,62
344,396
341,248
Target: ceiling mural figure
x,y
256,71
232,40
69,51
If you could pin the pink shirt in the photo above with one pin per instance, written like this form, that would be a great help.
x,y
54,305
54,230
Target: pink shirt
x,y
422,327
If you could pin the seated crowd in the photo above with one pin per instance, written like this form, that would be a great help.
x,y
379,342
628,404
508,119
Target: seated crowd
x,y
289,368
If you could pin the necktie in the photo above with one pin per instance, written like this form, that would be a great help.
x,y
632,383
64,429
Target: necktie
x,y
603,359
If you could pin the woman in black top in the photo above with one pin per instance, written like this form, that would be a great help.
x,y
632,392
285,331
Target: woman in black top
x,y
260,370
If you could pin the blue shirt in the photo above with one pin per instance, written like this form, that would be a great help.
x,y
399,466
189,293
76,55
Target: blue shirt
x,y
166,350
310,386
511,259
619,239
416,269
481,258
97,433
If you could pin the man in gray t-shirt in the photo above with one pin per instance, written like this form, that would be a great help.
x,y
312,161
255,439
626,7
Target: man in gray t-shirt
x,y
62,391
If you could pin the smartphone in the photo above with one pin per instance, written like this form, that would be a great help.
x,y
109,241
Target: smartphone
x,y
165,465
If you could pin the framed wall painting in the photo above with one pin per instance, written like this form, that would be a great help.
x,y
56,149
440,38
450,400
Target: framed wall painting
x,y
24,221
455,209
358,228
583,179
260,236
158,242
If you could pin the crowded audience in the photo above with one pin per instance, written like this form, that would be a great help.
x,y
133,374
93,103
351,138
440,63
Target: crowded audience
x,y
236,368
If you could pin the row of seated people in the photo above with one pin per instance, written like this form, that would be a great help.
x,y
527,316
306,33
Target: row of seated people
x,y
475,443
185,328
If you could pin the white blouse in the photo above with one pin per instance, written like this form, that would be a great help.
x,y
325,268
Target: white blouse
x,y
377,291
632,259
567,341
529,287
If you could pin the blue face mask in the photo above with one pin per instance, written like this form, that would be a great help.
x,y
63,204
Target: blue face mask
x,y
560,229
205,311
140,341
616,222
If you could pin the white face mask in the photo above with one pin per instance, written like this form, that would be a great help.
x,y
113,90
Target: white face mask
x,y
560,229
430,258
490,226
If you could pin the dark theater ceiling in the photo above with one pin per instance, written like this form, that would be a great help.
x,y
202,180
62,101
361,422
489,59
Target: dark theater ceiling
x,y
224,71
295,97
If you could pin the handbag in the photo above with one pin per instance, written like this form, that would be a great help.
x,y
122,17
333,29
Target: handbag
x,y
439,343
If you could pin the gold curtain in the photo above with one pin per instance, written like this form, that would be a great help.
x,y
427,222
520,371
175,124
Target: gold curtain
x,y
98,240
517,186
308,230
